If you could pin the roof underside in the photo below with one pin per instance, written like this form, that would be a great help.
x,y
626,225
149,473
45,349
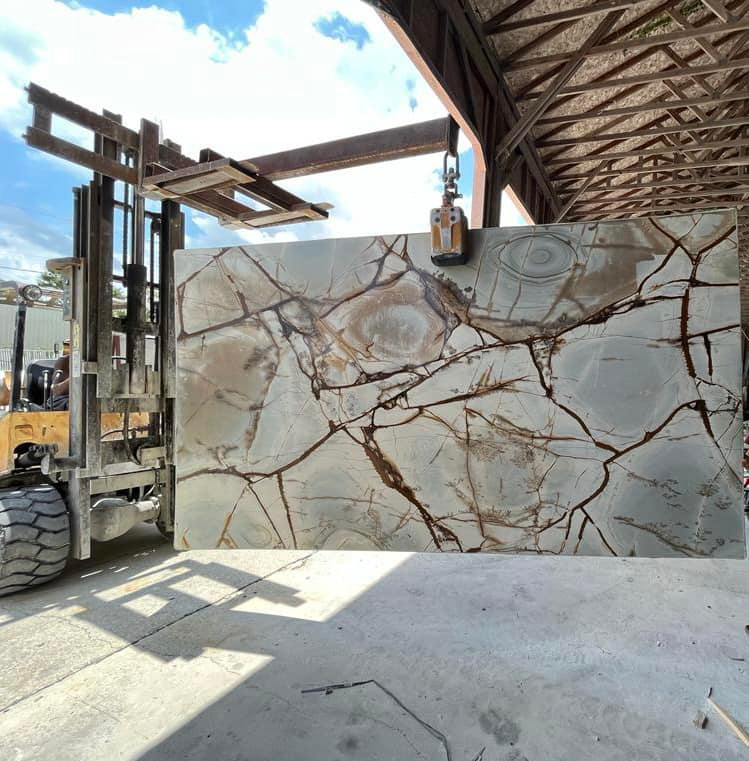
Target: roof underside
x,y
636,107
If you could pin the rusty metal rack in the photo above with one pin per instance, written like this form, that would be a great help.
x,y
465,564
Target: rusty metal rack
x,y
214,184
160,170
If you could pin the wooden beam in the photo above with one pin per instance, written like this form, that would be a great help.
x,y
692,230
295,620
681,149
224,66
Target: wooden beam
x,y
604,202
700,39
625,64
657,209
720,10
209,175
435,136
576,195
654,105
631,44
736,121
621,33
643,152
521,128
434,54
702,181
606,185
640,169
510,11
496,25
641,79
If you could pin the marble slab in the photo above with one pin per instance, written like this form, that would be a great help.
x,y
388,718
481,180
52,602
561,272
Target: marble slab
x,y
573,389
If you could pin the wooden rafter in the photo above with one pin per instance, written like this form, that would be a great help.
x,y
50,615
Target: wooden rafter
x,y
666,130
655,114
675,72
658,104
498,26
633,44
526,123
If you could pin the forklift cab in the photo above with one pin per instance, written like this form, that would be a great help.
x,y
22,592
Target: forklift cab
x,y
41,377
28,427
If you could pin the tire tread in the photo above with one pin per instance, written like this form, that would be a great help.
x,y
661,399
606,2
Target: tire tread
x,y
34,537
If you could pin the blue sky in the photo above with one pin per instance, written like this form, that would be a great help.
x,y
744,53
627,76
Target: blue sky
x,y
247,78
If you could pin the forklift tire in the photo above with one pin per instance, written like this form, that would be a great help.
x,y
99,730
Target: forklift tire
x,y
34,536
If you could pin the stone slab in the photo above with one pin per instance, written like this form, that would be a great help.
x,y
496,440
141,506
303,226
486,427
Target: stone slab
x,y
573,389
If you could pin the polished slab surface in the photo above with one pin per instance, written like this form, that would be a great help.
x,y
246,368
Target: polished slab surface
x,y
573,389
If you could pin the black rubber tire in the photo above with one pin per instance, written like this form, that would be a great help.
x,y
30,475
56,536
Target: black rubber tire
x,y
34,536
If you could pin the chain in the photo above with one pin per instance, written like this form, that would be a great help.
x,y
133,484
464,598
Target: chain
x,y
450,179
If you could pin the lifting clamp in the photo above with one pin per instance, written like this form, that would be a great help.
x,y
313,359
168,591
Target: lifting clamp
x,y
448,223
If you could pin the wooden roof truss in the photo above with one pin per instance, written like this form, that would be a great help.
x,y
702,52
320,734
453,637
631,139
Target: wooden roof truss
x,y
636,107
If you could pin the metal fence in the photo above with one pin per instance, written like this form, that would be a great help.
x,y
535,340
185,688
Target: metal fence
x,y
31,355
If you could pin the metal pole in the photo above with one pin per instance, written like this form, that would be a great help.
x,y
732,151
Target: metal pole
x,y
137,277
18,340
171,238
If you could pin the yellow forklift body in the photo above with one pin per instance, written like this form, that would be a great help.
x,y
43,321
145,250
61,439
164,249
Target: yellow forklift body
x,y
52,427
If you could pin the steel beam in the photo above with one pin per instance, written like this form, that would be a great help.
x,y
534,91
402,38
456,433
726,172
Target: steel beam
x,y
18,369
44,141
435,136
72,112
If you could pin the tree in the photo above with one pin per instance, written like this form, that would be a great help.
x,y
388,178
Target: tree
x,y
51,279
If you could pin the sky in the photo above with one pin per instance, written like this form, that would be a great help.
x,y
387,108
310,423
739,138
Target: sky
x,y
244,77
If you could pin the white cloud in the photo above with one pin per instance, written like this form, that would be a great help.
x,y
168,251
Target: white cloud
x,y
26,244
283,85
275,85
509,214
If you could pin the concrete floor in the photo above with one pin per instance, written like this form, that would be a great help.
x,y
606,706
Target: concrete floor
x,y
141,653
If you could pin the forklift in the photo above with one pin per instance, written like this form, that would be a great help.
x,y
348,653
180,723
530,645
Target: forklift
x,y
106,463
95,469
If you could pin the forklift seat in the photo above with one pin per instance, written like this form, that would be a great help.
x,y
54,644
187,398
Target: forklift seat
x,y
39,380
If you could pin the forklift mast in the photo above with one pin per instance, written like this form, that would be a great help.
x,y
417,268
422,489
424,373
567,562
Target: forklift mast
x,y
138,384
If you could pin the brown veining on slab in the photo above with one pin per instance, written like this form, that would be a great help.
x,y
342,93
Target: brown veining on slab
x,y
573,389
